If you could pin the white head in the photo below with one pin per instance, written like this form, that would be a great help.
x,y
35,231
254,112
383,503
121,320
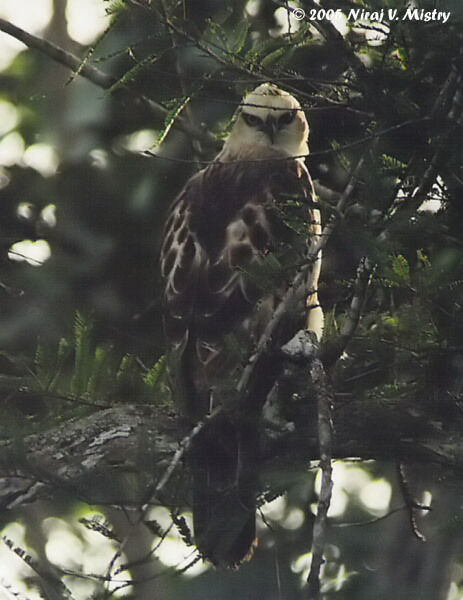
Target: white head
x,y
269,121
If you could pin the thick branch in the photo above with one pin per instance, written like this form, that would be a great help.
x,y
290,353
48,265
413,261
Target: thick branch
x,y
120,455
103,80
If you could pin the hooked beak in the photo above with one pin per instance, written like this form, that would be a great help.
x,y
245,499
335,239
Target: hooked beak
x,y
270,128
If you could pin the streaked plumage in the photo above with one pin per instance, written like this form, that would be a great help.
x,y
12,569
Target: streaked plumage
x,y
224,230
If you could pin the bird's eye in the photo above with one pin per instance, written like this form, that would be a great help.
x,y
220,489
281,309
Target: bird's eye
x,y
287,117
251,120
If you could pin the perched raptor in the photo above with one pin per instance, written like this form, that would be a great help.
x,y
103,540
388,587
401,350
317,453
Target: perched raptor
x,y
234,238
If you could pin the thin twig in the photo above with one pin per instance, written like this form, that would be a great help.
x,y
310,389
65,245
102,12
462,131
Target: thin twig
x,y
372,521
330,33
447,91
234,62
428,178
359,142
324,403
333,350
297,291
181,78
10,291
102,80
145,558
156,491
52,584
411,504
182,450
390,513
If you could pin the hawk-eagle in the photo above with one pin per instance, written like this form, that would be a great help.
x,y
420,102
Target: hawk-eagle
x,y
234,237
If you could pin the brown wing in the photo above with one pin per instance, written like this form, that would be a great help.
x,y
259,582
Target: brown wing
x,y
222,223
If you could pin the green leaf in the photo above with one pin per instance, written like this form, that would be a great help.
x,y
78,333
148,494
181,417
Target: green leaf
x,y
261,48
63,352
275,57
133,73
115,7
238,37
214,34
401,268
100,379
126,364
154,375
170,119
392,165
83,355
423,258
44,363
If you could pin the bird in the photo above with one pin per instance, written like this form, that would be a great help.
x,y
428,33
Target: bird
x,y
232,241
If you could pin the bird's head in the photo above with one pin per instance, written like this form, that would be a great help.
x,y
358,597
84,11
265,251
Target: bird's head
x,y
269,118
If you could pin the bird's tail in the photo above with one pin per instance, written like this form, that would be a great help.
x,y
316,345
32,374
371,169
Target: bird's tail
x,y
224,487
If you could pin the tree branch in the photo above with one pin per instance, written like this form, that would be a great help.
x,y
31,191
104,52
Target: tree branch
x,y
330,33
102,80
335,347
297,291
324,403
97,458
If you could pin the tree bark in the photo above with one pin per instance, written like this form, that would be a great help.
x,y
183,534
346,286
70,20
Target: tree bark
x,y
118,455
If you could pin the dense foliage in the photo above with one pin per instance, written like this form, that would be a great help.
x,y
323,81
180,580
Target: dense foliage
x,y
80,323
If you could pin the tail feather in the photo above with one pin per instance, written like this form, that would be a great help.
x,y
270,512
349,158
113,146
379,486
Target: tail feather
x,y
224,492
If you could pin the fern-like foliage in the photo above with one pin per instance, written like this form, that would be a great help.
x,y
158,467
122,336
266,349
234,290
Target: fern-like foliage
x,y
173,113
74,376
83,363
183,529
99,524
